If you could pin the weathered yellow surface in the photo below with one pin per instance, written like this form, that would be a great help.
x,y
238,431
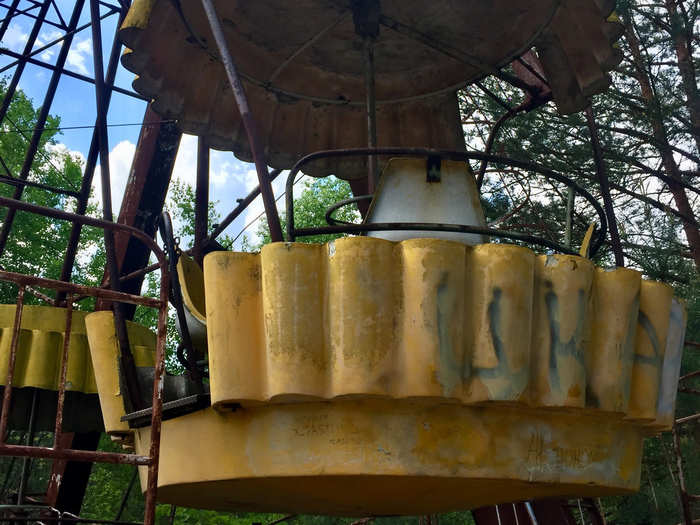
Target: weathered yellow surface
x,y
378,457
104,350
610,352
191,280
649,348
41,340
561,308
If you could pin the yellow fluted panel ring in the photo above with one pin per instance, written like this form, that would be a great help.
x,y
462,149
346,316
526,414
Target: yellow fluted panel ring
x,y
379,457
649,348
191,280
364,286
610,349
40,348
104,350
432,343
501,308
559,329
671,368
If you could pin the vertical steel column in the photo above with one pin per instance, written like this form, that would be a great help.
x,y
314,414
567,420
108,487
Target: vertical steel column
x,y
201,200
29,441
604,187
41,121
570,198
133,398
31,39
273,220
91,162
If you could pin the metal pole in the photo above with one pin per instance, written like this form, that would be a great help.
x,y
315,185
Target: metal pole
x,y
268,196
64,370
133,399
201,200
40,122
570,197
371,108
125,496
604,188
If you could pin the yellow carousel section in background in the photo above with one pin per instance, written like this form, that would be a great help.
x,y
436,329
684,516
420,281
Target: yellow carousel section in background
x,y
370,377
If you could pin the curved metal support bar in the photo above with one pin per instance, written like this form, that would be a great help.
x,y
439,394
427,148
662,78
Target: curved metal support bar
x,y
329,212
188,360
450,155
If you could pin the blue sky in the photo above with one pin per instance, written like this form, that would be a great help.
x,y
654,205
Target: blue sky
x,y
75,104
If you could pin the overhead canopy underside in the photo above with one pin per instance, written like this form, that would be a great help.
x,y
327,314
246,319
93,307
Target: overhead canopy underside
x,y
303,67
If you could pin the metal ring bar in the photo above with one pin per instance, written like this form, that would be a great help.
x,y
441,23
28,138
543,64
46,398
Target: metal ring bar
x,y
292,232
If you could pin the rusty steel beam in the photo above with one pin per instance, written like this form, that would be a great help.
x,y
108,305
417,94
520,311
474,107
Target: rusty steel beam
x,y
144,197
256,149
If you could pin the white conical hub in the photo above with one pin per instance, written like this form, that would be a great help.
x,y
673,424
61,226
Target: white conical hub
x,y
416,190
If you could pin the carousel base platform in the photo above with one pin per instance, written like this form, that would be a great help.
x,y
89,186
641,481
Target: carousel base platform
x,y
389,457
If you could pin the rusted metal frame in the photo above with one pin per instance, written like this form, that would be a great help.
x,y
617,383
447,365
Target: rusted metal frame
x,y
58,430
157,402
248,120
683,492
29,441
79,289
686,419
73,455
240,208
31,39
69,32
36,293
604,187
85,221
144,197
493,96
90,163
133,399
352,200
201,200
446,154
7,393
8,18
40,121
78,76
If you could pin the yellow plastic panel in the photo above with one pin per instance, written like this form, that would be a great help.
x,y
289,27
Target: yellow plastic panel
x,y
38,361
670,371
104,349
501,310
650,346
610,352
379,457
560,325
364,306
192,286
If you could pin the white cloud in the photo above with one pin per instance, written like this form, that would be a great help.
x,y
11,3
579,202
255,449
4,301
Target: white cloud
x,y
79,52
15,38
120,159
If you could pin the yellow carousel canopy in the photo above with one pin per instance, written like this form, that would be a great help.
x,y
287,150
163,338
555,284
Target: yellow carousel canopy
x,y
302,66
